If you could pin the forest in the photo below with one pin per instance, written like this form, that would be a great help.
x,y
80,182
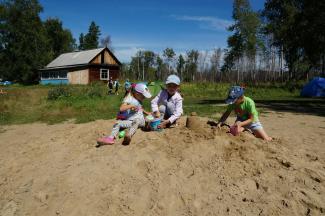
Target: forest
x,y
285,41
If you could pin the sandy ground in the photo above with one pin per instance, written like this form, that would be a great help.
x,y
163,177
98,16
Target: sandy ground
x,y
56,170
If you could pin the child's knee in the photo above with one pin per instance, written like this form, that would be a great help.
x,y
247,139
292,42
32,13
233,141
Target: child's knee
x,y
162,108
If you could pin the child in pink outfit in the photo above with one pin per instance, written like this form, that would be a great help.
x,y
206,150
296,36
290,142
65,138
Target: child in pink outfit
x,y
130,116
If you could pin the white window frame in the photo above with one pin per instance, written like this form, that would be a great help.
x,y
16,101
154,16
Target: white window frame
x,y
100,75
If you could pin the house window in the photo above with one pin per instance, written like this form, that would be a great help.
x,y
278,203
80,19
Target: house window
x,y
104,74
63,74
54,75
45,75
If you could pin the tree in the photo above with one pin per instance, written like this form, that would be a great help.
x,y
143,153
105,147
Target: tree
x,y
149,61
81,42
24,45
60,39
160,67
215,63
280,23
92,37
203,65
107,42
243,44
136,65
180,65
298,29
169,55
310,27
192,57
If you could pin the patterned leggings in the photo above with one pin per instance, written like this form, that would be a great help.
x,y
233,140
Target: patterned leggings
x,y
131,125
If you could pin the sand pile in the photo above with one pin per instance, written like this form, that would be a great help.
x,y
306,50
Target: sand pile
x,y
193,170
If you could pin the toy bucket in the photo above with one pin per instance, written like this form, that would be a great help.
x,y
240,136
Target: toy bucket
x,y
234,131
154,124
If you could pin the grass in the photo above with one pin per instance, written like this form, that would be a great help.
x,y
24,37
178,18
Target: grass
x,y
26,104
207,99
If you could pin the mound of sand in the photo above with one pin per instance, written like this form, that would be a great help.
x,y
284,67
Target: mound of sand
x,y
193,170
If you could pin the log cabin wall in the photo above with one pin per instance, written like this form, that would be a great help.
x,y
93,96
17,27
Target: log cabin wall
x,y
97,59
78,77
104,58
94,74
108,59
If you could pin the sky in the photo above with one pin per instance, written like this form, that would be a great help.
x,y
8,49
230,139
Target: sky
x,y
149,24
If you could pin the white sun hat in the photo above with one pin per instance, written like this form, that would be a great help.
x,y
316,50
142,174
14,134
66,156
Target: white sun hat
x,y
142,89
173,79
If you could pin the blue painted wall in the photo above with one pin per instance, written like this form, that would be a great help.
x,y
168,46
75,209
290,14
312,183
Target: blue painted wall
x,y
54,81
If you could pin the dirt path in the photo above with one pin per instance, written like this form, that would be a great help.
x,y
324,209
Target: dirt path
x,y
55,170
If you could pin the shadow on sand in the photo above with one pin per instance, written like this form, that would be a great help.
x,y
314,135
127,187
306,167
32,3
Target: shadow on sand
x,y
313,106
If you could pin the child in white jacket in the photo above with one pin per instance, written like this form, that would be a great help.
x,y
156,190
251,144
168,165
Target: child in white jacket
x,y
168,104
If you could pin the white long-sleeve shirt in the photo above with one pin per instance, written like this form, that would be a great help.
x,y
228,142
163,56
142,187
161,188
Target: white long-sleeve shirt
x,y
162,99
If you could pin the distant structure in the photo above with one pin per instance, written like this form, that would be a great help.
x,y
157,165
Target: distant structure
x,y
81,67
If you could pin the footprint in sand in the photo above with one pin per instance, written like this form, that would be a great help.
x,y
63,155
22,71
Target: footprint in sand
x,y
9,209
314,175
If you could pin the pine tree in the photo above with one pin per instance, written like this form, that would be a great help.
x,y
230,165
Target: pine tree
x,y
81,42
92,37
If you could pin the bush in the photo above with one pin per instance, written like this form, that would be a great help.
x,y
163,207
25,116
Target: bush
x,y
58,92
96,90
294,85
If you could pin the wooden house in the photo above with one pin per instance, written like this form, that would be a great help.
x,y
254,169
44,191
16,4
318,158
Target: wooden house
x,y
82,67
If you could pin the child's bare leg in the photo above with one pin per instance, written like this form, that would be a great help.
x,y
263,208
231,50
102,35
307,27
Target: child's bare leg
x,y
260,133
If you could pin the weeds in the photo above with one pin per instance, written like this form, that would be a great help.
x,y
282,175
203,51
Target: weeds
x,y
53,104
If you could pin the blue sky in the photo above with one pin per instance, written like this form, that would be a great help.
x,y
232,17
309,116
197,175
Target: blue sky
x,y
149,24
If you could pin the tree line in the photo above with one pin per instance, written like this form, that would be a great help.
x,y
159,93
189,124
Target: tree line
x,y
27,43
283,41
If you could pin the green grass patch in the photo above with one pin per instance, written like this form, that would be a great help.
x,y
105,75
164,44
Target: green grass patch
x,y
54,104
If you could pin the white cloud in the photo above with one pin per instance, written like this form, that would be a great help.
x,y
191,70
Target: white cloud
x,y
206,22
125,54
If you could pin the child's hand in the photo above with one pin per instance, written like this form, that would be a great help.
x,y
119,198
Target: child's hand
x,y
163,125
136,108
133,108
147,113
156,114
237,124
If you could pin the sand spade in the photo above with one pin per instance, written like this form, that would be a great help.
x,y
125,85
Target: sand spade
x,y
121,134
234,130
